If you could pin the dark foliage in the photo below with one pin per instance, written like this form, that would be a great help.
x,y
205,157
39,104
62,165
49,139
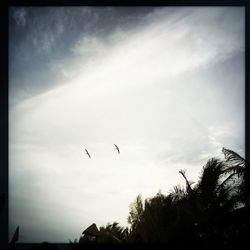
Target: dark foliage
x,y
212,212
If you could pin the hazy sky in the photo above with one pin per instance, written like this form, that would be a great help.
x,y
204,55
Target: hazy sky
x,y
166,84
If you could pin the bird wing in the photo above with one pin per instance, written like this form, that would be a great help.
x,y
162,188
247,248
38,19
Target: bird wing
x,y
117,148
87,153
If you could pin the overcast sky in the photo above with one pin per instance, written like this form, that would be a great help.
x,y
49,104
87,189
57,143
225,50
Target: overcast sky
x,y
166,84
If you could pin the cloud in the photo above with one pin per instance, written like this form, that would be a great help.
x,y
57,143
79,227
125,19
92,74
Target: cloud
x,y
181,39
88,45
19,16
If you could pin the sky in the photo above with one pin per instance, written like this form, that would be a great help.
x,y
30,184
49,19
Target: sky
x,y
166,84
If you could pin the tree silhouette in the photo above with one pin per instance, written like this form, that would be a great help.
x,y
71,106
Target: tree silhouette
x,y
114,233
238,165
207,212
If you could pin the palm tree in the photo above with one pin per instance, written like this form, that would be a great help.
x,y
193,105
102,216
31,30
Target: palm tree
x,y
195,213
217,193
239,166
189,213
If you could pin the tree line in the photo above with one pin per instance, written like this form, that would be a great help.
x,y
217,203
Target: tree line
x,y
214,210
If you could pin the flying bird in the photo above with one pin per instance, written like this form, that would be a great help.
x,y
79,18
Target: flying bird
x,y
117,148
87,153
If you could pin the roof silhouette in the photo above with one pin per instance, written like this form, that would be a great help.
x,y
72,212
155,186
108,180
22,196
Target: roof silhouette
x,y
92,230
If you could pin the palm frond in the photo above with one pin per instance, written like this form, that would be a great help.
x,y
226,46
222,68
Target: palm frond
x,y
234,163
224,182
233,157
210,178
183,173
177,193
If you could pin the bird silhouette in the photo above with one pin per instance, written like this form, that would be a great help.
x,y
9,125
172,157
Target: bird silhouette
x,y
87,153
118,150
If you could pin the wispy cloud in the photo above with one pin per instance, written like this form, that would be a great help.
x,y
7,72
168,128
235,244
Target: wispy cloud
x,y
88,45
19,16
